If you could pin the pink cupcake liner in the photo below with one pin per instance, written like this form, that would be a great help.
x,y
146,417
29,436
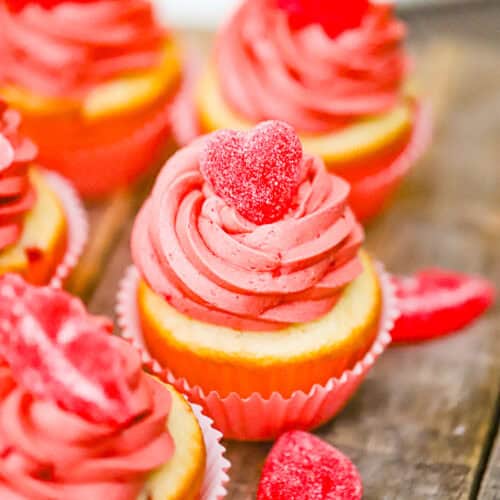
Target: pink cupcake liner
x,y
78,227
416,147
257,418
369,194
125,160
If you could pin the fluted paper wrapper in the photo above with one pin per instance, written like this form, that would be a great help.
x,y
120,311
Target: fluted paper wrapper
x,y
78,227
217,467
369,195
256,418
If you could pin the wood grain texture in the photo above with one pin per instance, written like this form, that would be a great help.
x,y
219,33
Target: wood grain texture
x,y
421,425
490,488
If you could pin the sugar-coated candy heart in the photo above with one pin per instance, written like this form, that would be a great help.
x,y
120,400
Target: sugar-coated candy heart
x,y
255,172
59,352
303,467
437,302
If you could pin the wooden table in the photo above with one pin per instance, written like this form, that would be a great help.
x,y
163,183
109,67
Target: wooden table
x,y
424,424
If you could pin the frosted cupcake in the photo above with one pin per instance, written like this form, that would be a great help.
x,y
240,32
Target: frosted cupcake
x,y
42,223
95,81
251,278
339,75
79,418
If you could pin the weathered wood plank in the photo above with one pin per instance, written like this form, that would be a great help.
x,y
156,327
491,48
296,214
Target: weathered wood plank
x,y
490,488
106,227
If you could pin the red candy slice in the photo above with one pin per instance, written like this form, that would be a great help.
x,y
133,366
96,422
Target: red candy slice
x,y
60,353
19,5
335,16
302,466
257,172
436,302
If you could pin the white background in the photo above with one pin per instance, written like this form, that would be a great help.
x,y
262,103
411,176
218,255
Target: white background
x,y
207,14
201,14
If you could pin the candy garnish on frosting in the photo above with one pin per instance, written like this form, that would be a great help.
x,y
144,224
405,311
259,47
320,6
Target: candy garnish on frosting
x,y
60,353
18,5
79,418
335,16
267,69
17,195
194,247
255,172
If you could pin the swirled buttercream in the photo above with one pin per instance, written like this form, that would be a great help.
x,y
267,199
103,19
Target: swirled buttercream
x,y
268,70
47,453
17,196
215,266
64,51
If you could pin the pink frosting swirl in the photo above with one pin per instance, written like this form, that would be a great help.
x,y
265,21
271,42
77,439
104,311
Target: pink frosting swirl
x,y
267,70
17,195
47,453
64,51
215,266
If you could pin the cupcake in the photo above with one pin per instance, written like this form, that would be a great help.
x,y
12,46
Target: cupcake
x,y
42,223
250,278
79,417
95,81
339,75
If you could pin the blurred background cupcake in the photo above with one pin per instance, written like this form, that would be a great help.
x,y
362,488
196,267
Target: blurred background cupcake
x,y
43,226
80,419
94,81
337,73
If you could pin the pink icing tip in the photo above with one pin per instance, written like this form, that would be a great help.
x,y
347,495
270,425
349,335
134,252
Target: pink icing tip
x,y
256,172
58,352
335,16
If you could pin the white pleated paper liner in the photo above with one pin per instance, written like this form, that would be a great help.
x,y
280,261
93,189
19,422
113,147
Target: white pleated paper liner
x,y
217,467
256,418
78,227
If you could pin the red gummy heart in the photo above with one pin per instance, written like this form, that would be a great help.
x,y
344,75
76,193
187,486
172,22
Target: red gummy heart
x,y
58,352
256,172
335,16
19,5
302,466
437,302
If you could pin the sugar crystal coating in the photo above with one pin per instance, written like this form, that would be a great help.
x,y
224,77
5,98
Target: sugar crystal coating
x,y
437,302
302,466
58,352
256,172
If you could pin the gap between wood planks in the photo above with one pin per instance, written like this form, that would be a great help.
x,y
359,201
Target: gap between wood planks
x,y
486,473
105,235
